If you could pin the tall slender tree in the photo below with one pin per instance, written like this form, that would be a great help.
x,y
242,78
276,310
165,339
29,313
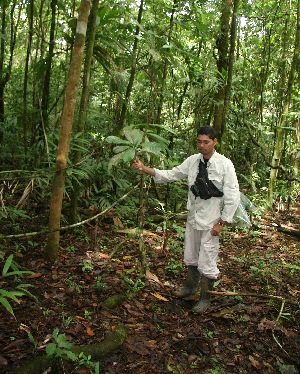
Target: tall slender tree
x,y
80,128
52,246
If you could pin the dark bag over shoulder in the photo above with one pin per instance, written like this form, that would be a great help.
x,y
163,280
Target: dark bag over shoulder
x,y
203,187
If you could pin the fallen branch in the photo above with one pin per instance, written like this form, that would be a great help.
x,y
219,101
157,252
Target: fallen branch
x,y
230,293
287,231
262,296
75,224
97,351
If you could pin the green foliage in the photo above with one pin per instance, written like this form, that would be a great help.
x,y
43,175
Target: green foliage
x,y
99,284
73,283
12,271
133,286
174,266
135,142
12,213
32,340
62,349
87,266
86,361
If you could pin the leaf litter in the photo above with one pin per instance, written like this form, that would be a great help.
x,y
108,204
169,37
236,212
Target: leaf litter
x,y
239,333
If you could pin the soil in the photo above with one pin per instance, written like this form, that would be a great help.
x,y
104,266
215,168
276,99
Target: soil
x,y
251,326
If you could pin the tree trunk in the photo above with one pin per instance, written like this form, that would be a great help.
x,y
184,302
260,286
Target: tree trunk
x,y
51,250
222,66
282,122
91,32
133,69
26,72
165,67
4,78
47,79
233,33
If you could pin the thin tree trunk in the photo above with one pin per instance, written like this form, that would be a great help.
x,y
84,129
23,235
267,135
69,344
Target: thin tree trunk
x,y
285,111
51,250
91,32
26,72
231,59
222,65
133,69
4,78
165,67
47,79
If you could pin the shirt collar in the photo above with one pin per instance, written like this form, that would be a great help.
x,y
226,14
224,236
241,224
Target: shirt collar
x,y
211,159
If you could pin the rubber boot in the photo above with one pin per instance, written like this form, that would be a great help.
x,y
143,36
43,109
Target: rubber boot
x,y
206,284
190,285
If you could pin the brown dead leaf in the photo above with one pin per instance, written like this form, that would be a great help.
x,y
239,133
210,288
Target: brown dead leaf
x,y
103,255
25,328
35,275
254,363
89,331
152,277
158,296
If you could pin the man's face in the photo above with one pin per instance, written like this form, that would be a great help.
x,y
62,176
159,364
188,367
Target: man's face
x,y
206,145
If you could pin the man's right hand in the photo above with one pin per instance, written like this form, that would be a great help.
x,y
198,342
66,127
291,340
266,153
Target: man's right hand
x,y
137,164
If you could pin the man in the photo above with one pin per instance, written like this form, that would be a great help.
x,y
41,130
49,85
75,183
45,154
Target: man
x,y
207,215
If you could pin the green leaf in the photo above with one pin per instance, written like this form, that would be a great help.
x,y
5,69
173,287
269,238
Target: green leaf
x,y
152,147
7,305
158,138
11,294
115,160
72,356
120,148
51,349
61,341
55,333
134,136
116,140
129,155
23,288
7,265
17,272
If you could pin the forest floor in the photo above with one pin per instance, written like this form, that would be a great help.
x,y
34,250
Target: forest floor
x,y
254,330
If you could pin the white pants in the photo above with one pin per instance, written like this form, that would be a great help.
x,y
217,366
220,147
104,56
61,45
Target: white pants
x,y
201,249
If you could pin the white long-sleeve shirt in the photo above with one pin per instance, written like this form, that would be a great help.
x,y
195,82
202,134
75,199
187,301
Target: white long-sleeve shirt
x,y
203,214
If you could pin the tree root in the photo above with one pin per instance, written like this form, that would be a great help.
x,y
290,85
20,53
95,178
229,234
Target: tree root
x,y
97,351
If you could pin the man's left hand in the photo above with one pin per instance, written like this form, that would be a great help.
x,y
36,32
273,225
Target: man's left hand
x,y
216,230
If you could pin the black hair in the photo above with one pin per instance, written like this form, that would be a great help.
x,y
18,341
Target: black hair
x,y
209,131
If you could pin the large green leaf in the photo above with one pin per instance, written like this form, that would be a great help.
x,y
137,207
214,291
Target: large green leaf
x,y
152,147
116,140
158,138
121,148
129,155
134,136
